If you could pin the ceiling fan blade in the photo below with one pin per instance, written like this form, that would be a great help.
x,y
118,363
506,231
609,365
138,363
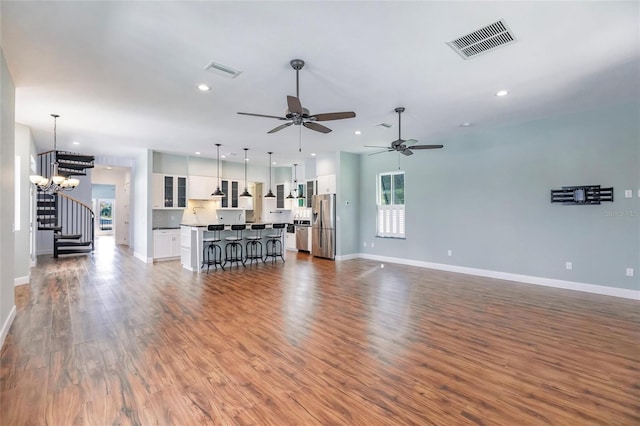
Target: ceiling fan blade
x,y
407,151
380,152
333,116
280,127
376,146
294,105
426,146
315,126
261,115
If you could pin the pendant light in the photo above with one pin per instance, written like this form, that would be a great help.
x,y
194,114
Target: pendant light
x,y
217,193
300,194
290,196
270,194
57,181
245,193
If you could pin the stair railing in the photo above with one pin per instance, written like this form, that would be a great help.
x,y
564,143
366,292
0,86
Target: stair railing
x,y
75,217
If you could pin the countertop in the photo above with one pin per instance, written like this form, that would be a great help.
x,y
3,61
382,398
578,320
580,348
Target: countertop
x,y
165,227
248,224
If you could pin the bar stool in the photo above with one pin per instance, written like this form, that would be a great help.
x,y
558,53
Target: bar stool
x,y
275,242
210,246
234,243
254,244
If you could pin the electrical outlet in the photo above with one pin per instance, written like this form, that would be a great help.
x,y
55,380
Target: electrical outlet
x,y
372,245
449,253
568,265
629,272
364,244
628,193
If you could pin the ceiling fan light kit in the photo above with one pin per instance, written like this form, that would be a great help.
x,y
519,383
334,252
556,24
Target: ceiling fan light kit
x,y
403,146
298,115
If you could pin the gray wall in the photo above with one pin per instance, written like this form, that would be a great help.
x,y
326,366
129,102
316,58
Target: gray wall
x,y
24,148
348,204
7,150
486,197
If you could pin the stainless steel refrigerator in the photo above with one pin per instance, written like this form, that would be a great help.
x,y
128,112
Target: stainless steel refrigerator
x,y
323,226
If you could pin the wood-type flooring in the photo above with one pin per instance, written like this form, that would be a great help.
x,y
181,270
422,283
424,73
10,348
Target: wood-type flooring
x,y
109,340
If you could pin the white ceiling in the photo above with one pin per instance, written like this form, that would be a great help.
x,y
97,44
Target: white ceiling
x,y
123,75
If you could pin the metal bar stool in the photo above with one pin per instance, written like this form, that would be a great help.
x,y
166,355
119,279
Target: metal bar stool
x,y
275,242
254,244
210,246
234,244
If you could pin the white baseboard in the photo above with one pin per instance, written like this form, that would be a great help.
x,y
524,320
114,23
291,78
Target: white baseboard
x,y
7,325
21,280
547,282
142,258
348,257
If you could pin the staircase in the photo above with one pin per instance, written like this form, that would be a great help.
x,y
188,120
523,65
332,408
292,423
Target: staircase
x,y
70,220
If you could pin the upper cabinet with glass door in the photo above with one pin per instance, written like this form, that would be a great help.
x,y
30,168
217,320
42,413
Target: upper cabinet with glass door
x,y
169,191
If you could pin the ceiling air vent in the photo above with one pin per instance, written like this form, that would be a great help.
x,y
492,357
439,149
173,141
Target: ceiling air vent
x,y
483,40
223,70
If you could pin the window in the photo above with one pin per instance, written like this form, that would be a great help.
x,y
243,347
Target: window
x,y
391,205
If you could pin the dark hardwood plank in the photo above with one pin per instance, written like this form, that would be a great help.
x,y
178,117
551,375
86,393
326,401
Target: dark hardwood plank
x,y
105,339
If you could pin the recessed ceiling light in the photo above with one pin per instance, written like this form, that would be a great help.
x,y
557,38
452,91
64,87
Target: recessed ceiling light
x,y
76,143
109,168
313,154
466,124
502,93
274,163
358,132
223,156
246,159
203,87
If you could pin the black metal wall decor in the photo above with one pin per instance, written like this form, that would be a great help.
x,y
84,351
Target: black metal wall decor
x,y
588,194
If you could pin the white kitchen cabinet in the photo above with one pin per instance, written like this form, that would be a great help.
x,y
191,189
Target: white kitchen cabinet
x,y
169,191
166,243
201,187
290,240
327,184
231,189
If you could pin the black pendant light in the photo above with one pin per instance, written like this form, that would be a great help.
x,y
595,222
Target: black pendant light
x,y
245,193
290,196
270,194
300,194
217,193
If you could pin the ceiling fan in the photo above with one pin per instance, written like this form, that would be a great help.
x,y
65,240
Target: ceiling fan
x,y
401,145
298,115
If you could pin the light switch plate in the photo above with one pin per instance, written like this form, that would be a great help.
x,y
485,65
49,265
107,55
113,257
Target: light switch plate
x,y
568,265
628,193
629,272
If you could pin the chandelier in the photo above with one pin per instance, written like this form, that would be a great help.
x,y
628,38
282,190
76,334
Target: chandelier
x,y
57,182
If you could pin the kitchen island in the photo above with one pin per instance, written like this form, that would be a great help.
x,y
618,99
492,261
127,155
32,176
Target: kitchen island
x,y
191,236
